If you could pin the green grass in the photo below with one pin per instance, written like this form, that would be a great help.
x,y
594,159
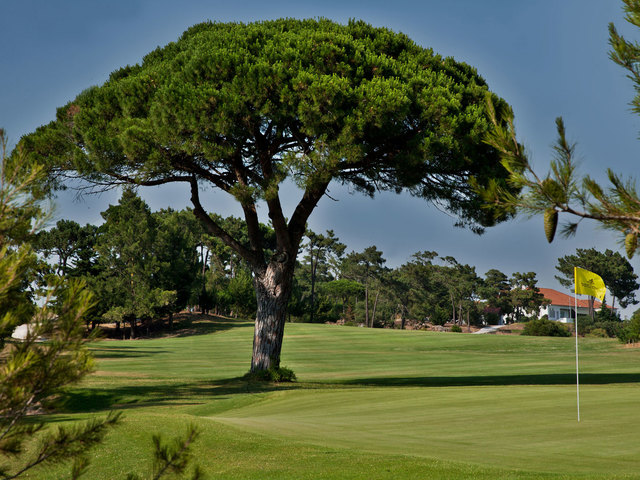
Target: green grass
x,y
370,404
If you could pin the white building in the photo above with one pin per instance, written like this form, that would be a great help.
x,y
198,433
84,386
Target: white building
x,y
562,306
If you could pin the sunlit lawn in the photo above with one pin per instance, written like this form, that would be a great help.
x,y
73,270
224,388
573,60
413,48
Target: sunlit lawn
x,y
371,404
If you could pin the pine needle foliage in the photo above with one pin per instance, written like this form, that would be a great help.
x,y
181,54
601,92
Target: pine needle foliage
x,y
562,189
53,354
172,459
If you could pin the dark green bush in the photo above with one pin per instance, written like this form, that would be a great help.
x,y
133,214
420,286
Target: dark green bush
x,y
609,322
597,333
612,327
434,314
630,333
585,324
277,375
545,328
456,328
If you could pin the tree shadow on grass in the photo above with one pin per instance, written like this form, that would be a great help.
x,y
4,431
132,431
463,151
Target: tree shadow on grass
x,y
128,397
205,324
121,352
184,325
498,380
125,397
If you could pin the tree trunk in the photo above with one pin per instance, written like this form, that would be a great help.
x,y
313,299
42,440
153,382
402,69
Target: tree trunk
x,y
205,258
366,304
132,323
313,286
375,306
273,290
453,308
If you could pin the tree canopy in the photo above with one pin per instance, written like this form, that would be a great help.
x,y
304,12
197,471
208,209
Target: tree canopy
x,y
242,107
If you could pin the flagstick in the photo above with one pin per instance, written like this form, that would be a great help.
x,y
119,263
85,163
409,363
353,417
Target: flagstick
x,y
575,296
586,283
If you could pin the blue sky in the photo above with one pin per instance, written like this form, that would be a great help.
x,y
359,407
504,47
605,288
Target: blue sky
x,y
547,58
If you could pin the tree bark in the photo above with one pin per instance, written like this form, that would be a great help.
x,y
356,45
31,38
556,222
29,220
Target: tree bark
x,y
132,324
453,308
273,290
313,286
366,304
375,306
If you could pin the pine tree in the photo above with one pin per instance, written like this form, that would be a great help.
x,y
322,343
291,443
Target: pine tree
x,y
53,353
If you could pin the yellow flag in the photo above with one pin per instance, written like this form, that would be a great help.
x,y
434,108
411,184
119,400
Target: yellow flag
x,y
588,283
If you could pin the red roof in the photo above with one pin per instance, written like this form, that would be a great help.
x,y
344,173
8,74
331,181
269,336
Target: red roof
x,y
564,300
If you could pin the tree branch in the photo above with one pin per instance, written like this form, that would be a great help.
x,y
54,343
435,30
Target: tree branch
x,y
249,209
150,183
253,257
192,167
298,222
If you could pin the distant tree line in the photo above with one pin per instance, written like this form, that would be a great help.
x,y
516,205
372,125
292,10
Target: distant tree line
x,y
144,266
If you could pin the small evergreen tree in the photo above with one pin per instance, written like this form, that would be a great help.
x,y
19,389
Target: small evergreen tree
x,y
127,249
365,267
53,352
631,331
525,296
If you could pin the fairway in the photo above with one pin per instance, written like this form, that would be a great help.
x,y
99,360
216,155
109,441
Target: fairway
x,y
372,404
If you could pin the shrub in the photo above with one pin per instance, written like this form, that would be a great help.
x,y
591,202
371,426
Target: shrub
x,y
274,374
326,310
440,316
545,328
585,324
597,333
492,318
630,333
456,328
613,328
